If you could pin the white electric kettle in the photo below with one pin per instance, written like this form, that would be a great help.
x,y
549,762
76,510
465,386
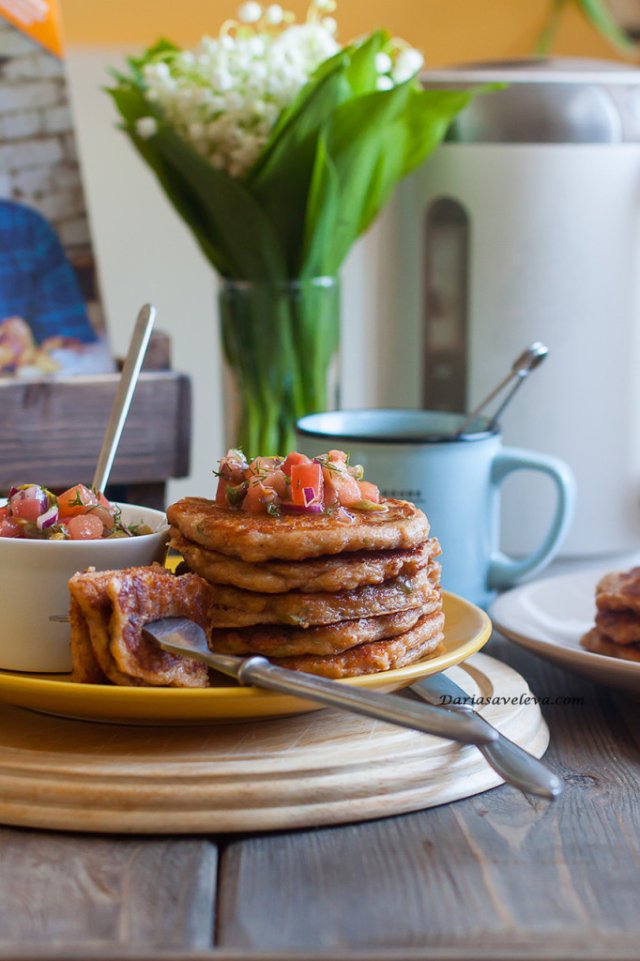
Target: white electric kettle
x,y
524,226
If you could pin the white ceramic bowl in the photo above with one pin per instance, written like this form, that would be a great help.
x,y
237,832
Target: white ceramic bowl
x,y
34,575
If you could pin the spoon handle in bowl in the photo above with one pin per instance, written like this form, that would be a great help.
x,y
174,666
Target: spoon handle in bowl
x,y
124,395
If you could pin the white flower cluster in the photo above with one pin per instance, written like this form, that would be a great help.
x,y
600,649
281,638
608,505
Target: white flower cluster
x,y
225,96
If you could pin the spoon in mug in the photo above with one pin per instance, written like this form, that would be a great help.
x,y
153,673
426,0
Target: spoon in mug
x,y
522,366
124,395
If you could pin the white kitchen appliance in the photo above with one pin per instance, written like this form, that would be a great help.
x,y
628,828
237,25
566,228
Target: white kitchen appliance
x,y
524,226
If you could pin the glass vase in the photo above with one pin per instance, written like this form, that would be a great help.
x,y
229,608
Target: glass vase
x,y
280,343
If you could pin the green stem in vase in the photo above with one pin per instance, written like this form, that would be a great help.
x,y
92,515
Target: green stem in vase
x,y
279,340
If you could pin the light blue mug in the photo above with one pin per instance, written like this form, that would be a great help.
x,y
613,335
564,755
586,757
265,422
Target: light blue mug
x,y
416,455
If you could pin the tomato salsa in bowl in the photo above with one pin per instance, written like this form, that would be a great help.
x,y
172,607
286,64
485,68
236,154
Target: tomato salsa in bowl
x,y
36,563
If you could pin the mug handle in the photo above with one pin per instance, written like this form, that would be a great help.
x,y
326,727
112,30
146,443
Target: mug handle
x,y
504,571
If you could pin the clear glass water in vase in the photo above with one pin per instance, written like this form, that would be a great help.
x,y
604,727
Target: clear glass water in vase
x,y
280,343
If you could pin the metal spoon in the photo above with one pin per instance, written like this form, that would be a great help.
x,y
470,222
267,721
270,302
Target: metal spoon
x,y
124,395
522,366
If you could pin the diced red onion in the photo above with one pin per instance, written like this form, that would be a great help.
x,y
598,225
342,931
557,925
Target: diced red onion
x,y
309,495
48,519
300,509
12,491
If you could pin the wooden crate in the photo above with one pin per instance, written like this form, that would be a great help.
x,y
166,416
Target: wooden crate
x,y
51,431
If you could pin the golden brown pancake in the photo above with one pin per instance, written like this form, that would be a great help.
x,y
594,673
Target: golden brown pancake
x,y
294,537
282,641
115,605
622,627
335,572
599,644
232,607
619,591
423,639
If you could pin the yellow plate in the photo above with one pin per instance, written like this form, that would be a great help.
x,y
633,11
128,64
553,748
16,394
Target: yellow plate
x,y
467,629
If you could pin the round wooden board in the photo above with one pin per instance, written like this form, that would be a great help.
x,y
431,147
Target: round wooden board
x,y
328,767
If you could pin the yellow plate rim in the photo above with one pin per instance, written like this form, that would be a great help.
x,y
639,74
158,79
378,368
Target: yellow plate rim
x,y
13,684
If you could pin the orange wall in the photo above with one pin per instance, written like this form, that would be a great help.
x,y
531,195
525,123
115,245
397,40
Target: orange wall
x,y
446,30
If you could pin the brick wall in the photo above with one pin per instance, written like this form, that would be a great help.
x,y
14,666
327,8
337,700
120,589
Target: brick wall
x,y
38,159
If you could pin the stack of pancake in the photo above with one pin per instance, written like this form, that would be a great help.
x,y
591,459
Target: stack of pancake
x,y
617,630
337,594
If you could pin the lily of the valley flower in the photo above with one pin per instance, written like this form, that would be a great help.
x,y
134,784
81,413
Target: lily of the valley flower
x,y
225,96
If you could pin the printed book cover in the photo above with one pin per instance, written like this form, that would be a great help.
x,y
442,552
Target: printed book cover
x,y
51,319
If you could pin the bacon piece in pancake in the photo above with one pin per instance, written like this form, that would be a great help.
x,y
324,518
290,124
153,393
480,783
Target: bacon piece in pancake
x,y
295,537
232,607
335,572
619,591
596,642
423,639
282,641
116,605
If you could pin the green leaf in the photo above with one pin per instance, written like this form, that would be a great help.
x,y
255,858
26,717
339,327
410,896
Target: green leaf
x,y
162,49
550,28
231,228
322,212
599,15
281,179
370,144
132,105
237,223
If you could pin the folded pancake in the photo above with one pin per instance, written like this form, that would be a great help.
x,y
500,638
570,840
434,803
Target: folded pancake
x,y
423,639
597,642
108,612
232,607
294,537
337,572
85,666
282,641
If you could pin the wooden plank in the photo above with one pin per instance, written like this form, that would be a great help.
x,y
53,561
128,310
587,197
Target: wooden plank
x,y
499,871
52,429
628,953
64,891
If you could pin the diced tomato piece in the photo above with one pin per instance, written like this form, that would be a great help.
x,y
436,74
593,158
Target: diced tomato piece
x,y
294,458
369,492
11,527
76,500
106,515
279,482
262,465
221,492
337,457
340,487
259,498
4,511
307,484
103,500
85,527
232,466
29,502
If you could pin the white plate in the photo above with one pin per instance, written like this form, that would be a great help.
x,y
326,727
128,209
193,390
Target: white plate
x,y
549,617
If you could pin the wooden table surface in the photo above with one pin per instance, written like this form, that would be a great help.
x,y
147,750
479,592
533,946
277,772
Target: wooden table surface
x,y
496,876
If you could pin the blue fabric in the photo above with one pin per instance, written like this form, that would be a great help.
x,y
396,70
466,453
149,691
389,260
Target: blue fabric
x,y
37,282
